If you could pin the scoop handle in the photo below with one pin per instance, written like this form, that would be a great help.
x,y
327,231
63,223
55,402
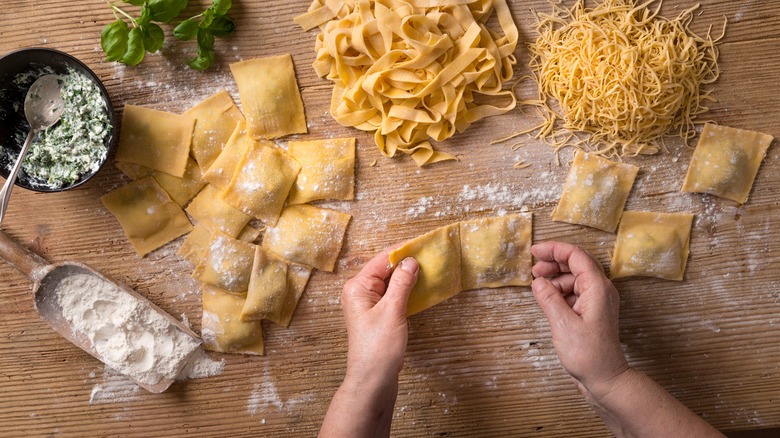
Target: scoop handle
x,y
21,258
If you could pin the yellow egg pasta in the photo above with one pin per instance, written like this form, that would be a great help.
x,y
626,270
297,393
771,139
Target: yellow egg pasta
x,y
221,327
269,96
496,251
148,216
222,168
181,190
726,161
327,170
411,72
155,139
209,209
308,235
262,181
438,255
226,263
595,193
215,120
267,286
652,245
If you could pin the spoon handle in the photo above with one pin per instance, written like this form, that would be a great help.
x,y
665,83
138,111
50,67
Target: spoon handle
x,y
21,258
5,193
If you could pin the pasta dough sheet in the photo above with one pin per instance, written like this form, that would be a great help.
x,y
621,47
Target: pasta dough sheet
x,y
595,193
267,286
226,264
209,209
308,235
438,255
327,170
726,161
269,96
181,190
262,181
148,216
155,139
496,251
652,245
221,327
215,120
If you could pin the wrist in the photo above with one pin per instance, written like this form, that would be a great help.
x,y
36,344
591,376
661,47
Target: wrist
x,y
598,392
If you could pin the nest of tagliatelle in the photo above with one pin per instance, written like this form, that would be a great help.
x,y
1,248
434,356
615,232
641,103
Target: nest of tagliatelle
x,y
622,75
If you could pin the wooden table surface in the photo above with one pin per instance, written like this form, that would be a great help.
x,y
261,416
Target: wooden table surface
x,y
480,364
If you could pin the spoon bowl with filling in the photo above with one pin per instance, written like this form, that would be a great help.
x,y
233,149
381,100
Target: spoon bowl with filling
x,y
18,70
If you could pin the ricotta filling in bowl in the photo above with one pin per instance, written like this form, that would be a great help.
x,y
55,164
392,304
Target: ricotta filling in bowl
x,y
74,146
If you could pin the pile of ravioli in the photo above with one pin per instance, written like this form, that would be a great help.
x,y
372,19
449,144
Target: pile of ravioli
x,y
221,167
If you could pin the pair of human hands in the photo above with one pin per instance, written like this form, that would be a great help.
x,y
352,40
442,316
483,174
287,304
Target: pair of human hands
x,y
578,299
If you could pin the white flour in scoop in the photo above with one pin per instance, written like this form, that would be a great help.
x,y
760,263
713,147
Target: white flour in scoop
x,y
130,337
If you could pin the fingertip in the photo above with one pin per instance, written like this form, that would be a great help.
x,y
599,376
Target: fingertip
x,y
539,284
410,265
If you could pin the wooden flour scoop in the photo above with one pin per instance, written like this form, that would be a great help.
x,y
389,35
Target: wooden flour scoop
x,y
47,276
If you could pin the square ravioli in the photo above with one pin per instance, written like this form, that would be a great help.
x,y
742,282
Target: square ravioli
x,y
226,263
438,255
180,190
215,120
149,217
221,170
209,209
308,235
262,181
496,251
595,192
327,170
269,96
221,327
652,245
297,278
196,243
726,161
155,139
267,286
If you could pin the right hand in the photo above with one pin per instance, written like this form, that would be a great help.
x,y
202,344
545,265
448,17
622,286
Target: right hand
x,y
582,307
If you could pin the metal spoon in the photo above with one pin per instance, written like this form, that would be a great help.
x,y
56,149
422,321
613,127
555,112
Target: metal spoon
x,y
43,106
47,277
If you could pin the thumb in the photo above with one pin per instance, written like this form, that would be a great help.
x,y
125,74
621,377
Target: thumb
x,y
401,283
551,301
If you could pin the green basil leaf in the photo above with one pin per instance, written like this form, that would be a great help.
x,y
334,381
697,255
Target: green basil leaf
x,y
146,15
205,39
134,2
153,37
208,17
203,61
222,27
135,47
113,40
186,30
166,10
221,6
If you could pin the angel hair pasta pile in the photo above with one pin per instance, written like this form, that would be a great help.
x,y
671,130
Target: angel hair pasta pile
x,y
621,74
410,69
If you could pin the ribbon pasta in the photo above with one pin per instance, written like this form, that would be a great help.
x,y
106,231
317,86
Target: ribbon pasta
x,y
410,70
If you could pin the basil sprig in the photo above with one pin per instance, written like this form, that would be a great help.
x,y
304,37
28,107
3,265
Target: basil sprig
x,y
129,43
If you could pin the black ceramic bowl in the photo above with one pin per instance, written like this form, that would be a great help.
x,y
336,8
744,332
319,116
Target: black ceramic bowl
x,y
11,120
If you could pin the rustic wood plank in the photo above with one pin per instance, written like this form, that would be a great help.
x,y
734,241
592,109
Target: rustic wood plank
x,y
480,364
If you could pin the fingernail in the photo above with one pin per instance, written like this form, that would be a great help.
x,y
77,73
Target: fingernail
x,y
409,265
539,283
